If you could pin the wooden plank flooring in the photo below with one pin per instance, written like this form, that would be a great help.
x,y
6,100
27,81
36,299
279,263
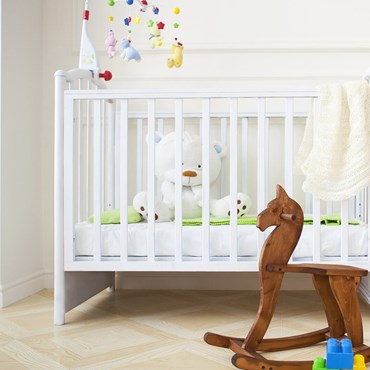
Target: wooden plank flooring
x,y
149,330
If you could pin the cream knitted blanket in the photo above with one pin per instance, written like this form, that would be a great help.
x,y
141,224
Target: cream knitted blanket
x,y
335,154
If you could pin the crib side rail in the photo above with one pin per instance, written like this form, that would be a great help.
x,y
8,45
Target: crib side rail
x,y
105,156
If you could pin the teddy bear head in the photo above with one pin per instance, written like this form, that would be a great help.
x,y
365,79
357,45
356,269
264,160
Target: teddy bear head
x,y
191,158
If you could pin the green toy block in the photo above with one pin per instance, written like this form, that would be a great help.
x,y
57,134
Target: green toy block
x,y
319,363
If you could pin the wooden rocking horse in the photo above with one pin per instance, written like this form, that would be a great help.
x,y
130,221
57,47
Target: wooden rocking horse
x,y
336,285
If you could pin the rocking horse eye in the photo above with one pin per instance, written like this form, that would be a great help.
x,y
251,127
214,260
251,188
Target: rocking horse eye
x,y
199,166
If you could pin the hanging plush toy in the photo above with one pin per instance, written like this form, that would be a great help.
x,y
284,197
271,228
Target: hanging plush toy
x,y
176,58
155,37
129,52
110,43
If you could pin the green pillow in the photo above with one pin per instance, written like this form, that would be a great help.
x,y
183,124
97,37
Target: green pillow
x,y
112,216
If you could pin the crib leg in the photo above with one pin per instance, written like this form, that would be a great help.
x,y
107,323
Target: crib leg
x,y
75,288
112,288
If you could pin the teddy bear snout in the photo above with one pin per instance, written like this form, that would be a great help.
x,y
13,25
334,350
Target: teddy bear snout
x,y
189,174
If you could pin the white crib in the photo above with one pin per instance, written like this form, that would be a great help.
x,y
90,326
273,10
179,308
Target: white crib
x,y
104,154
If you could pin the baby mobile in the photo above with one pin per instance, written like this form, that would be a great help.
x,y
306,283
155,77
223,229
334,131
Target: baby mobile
x,y
155,28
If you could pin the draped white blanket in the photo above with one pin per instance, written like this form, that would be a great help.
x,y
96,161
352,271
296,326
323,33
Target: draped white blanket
x,y
335,154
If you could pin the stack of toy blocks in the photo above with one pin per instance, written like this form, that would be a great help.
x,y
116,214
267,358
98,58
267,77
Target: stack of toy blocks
x,y
339,355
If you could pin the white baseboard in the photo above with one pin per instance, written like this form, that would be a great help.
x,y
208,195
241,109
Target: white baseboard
x,y
21,288
204,281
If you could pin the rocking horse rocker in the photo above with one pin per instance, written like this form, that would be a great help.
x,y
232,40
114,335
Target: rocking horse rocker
x,y
336,285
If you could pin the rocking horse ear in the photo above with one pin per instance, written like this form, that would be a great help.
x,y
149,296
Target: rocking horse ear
x,y
280,192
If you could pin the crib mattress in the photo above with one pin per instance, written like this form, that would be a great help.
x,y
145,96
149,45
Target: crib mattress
x,y
219,240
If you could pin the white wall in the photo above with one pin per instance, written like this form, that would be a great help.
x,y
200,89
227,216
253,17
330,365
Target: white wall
x,y
22,267
246,44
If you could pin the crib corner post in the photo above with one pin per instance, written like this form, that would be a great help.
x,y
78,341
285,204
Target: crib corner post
x,y
59,274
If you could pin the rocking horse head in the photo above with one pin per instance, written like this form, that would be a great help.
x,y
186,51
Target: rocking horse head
x,y
287,216
280,210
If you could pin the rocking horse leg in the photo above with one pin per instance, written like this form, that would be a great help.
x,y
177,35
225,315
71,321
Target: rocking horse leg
x,y
331,308
270,289
235,344
220,340
345,292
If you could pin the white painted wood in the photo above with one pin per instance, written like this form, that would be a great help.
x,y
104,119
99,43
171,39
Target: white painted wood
x,y
233,179
59,277
97,179
79,155
110,108
223,173
151,179
261,155
368,221
205,128
178,178
69,196
261,166
344,230
139,155
288,146
88,156
245,148
228,130
316,215
124,177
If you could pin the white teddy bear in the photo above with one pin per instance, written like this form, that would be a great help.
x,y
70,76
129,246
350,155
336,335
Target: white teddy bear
x,y
191,180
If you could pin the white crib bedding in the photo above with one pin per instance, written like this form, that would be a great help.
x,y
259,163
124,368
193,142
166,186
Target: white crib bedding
x,y
219,240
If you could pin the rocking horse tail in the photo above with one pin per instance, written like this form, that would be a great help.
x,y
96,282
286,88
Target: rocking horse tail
x,y
270,288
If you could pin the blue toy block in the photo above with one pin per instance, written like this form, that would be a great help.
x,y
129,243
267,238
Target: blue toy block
x,y
339,355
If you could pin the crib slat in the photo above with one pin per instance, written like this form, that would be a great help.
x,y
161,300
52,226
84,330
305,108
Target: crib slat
x,y
79,159
160,128
139,155
103,151
223,173
88,155
344,230
316,229
316,205
261,155
368,222
261,166
117,160
151,179
124,178
245,149
97,179
68,181
110,153
233,178
206,122
178,178
288,146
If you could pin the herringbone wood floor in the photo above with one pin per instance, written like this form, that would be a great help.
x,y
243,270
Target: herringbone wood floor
x,y
149,330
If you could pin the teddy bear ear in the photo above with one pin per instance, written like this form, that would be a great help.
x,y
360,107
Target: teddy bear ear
x,y
220,148
158,136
